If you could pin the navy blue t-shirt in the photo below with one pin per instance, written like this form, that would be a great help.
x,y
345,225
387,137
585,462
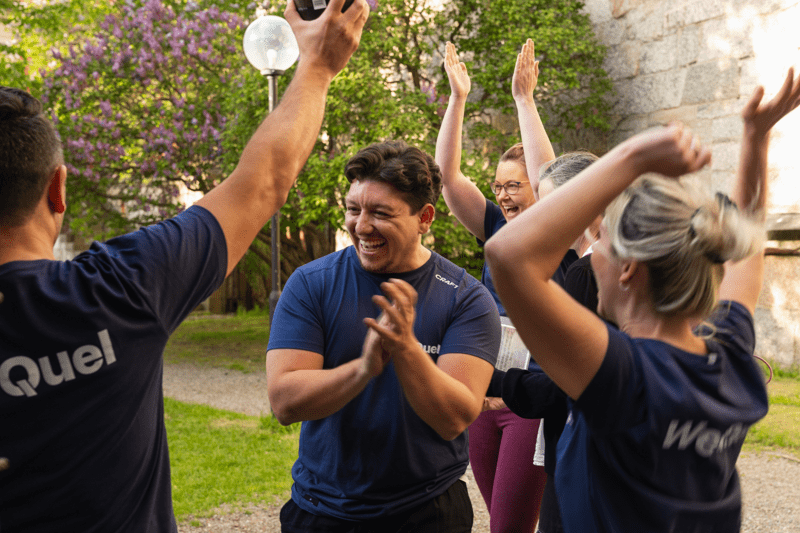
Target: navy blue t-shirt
x,y
376,457
651,444
81,396
493,221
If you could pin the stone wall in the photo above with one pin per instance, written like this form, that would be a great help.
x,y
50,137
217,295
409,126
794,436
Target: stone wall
x,y
698,62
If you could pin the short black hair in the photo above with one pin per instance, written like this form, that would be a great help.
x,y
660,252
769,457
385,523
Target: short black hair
x,y
411,171
29,153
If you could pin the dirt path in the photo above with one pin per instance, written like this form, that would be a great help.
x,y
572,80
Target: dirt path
x,y
770,482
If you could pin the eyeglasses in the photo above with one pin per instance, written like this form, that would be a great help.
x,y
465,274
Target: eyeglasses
x,y
512,187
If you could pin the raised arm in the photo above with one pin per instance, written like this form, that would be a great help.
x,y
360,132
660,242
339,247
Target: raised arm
x,y
447,394
535,141
275,155
462,196
742,281
570,340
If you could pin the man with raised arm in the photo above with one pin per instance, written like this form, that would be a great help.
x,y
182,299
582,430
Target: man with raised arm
x,y
385,386
83,444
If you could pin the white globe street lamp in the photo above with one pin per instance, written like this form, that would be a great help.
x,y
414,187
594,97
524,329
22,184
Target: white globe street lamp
x,y
270,46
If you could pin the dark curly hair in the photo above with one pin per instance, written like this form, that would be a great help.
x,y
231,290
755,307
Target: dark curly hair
x,y
408,169
29,153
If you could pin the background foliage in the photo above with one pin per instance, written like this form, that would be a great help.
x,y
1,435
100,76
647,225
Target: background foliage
x,y
154,98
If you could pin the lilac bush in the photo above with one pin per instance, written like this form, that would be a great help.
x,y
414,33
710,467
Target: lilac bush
x,y
139,108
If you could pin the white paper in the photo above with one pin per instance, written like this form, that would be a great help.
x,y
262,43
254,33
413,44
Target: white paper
x,y
513,353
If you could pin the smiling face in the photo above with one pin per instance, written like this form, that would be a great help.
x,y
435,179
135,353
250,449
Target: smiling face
x,y
385,233
513,204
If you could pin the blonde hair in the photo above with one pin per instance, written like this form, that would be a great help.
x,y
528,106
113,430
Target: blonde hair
x,y
683,235
515,154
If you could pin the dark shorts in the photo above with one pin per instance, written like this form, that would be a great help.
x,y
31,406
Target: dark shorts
x,y
451,512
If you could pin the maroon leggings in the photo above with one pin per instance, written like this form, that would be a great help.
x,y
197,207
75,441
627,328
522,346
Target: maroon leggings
x,y
501,447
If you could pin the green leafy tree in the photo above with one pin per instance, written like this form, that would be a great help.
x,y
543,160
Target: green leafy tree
x,y
139,106
145,117
395,88
37,28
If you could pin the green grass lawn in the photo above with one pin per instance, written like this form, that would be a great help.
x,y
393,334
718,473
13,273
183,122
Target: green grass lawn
x,y
781,427
236,342
219,457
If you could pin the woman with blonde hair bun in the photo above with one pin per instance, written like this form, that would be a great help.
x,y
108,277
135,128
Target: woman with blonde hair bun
x,y
658,409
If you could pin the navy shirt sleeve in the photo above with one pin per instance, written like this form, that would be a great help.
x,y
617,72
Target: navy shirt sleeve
x,y
475,329
529,394
297,323
732,324
173,265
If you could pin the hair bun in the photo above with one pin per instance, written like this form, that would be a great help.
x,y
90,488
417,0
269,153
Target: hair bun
x,y
720,232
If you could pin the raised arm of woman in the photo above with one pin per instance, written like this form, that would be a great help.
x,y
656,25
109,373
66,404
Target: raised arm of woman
x,y
535,141
743,280
462,196
571,341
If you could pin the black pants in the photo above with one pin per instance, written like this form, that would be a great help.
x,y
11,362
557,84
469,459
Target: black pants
x,y
451,512
549,513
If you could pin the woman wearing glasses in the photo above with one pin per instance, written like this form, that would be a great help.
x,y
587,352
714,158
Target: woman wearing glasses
x,y
659,412
501,444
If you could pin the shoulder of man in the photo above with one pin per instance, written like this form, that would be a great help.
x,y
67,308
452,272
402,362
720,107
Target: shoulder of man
x,y
456,276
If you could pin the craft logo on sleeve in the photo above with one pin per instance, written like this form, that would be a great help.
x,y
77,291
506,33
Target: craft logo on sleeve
x,y
22,375
446,281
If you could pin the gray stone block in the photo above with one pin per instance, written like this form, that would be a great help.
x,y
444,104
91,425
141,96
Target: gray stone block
x,y
780,283
650,93
622,61
685,114
726,129
777,336
725,156
720,108
688,13
749,77
688,46
610,32
659,55
729,37
648,22
714,80
598,10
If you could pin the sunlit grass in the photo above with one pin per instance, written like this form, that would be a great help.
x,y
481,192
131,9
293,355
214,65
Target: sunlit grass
x,y
236,342
781,427
218,457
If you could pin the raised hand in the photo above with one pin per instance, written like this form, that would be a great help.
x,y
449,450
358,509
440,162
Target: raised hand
x,y
526,72
460,83
759,117
328,42
396,326
671,151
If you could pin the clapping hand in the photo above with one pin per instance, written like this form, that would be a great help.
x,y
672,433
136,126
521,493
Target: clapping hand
x,y
396,324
